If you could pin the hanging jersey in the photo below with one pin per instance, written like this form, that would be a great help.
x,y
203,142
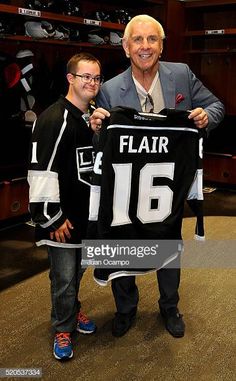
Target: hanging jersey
x,y
146,167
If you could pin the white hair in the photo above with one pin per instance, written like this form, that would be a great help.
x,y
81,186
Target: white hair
x,y
143,18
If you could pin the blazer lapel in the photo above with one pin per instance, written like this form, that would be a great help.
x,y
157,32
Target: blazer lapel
x,y
128,92
168,85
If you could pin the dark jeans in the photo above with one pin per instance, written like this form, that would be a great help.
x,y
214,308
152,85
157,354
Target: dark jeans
x,y
65,275
126,293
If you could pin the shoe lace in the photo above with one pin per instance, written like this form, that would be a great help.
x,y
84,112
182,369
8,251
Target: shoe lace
x,y
63,339
83,318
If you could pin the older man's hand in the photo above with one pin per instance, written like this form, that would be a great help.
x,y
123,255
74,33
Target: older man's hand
x,y
199,117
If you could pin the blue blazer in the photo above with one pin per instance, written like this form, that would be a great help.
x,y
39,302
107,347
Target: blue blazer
x,y
181,90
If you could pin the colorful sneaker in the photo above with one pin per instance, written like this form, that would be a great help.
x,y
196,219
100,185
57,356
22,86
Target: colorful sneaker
x,y
84,325
62,349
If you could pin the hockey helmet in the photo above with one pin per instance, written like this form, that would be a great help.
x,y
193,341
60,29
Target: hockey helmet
x,y
44,29
116,38
120,16
98,15
69,7
38,29
98,37
42,5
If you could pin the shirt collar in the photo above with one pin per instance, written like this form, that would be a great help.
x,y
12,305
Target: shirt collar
x,y
140,89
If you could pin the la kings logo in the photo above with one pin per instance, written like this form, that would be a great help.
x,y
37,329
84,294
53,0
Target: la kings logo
x,y
85,157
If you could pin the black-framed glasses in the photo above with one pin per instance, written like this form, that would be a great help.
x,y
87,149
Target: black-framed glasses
x,y
87,78
149,104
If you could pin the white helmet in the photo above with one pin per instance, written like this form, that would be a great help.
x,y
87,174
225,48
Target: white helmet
x,y
116,38
42,29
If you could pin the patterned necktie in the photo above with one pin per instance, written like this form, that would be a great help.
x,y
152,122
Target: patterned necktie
x,y
149,104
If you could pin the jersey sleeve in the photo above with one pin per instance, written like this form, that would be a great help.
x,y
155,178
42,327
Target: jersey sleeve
x,y
95,189
195,197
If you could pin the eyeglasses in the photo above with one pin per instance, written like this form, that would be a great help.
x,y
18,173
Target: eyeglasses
x,y
149,104
87,78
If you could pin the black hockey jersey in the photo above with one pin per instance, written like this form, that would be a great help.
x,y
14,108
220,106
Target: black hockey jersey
x,y
61,163
146,167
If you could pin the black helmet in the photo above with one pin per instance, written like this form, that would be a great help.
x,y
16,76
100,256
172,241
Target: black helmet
x,y
120,16
41,5
69,7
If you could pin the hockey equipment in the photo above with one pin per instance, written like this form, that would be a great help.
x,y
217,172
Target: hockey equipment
x,y
116,38
44,29
99,15
24,53
69,7
74,35
27,100
98,37
120,16
41,5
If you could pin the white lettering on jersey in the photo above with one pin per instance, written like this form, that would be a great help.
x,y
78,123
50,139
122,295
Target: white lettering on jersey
x,y
201,148
34,153
147,193
152,144
98,164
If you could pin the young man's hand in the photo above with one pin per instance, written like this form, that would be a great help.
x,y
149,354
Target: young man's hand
x,y
97,117
62,232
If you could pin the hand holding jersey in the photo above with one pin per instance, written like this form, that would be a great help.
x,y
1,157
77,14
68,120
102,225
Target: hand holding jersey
x,y
97,118
200,117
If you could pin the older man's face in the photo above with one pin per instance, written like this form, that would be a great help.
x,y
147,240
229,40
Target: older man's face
x,y
144,46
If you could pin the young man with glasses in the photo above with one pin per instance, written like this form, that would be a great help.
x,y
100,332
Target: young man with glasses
x,y
61,161
151,85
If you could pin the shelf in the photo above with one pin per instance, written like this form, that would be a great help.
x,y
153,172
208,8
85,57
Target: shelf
x,y
211,32
209,3
58,42
158,2
211,51
58,17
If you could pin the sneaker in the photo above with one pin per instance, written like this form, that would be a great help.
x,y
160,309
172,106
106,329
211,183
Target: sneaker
x,y
62,349
84,325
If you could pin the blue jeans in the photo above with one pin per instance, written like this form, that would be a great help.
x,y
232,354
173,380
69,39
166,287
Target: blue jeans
x,y
65,275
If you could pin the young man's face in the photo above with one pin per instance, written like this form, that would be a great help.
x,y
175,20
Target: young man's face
x,y
87,88
144,46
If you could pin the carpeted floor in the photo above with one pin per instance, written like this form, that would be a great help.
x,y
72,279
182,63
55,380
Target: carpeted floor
x,y
19,257
147,351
